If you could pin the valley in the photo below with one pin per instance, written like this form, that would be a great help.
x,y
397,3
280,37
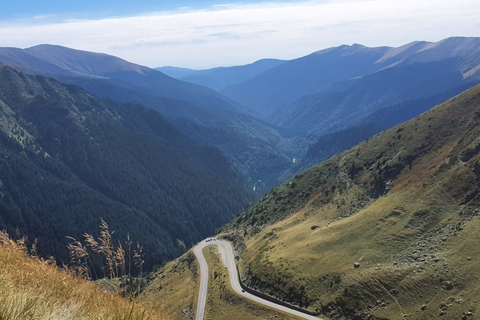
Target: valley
x,y
347,181
349,93
270,112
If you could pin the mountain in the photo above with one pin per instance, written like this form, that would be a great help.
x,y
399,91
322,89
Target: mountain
x,y
108,76
386,230
221,77
293,79
334,143
282,112
349,86
401,90
204,115
338,90
68,159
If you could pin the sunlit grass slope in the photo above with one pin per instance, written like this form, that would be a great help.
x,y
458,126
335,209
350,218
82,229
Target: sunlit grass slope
x,y
224,303
31,288
174,290
389,229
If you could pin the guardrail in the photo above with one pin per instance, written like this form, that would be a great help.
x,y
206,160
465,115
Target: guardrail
x,y
272,299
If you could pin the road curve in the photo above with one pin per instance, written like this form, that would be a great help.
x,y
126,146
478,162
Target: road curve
x,y
228,256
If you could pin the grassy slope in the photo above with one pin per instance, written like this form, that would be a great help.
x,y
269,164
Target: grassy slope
x,y
174,288
31,288
224,303
402,204
174,291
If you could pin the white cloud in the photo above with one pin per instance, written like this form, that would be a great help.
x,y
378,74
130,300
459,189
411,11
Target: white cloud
x,y
236,34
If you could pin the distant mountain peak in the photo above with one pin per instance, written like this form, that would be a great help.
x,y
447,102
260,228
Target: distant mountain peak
x,y
346,50
455,45
403,51
425,52
83,62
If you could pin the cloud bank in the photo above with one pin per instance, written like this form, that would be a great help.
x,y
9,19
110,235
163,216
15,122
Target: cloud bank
x,y
238,34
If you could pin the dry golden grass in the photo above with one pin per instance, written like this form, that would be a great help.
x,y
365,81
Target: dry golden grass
x,y
175,288
31,288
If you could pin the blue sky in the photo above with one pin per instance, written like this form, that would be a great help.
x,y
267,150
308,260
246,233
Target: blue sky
x,y
94,9
205,34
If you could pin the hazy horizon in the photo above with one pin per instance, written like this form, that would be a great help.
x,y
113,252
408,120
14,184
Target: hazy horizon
x,y
206,34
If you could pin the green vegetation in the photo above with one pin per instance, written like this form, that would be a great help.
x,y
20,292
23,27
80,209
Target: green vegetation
x,y
256,149
32,288
385,230
68,158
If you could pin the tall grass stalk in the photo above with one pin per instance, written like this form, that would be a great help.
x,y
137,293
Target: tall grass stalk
x,y
106,247
32,288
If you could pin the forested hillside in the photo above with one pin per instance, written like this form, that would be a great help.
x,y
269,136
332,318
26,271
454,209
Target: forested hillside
x,y
201,113
68,158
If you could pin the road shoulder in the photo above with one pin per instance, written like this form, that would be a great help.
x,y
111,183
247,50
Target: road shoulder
x,y
224,303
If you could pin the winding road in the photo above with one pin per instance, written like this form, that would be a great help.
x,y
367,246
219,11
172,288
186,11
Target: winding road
x,y
228,256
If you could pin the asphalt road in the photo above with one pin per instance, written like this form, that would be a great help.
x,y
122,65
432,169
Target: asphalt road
x,y
228,256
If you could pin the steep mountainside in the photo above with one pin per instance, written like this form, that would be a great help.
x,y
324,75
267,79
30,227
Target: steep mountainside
x,y
392,95
334,143
350,86
295,78
68,158
386,230
219,78
108,76
203,114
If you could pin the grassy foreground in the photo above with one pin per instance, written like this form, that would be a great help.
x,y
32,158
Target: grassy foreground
x,y
32,288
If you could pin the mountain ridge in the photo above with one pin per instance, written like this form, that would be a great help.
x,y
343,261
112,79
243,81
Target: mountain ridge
x,y
200,112
71,64
258,92
221,77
